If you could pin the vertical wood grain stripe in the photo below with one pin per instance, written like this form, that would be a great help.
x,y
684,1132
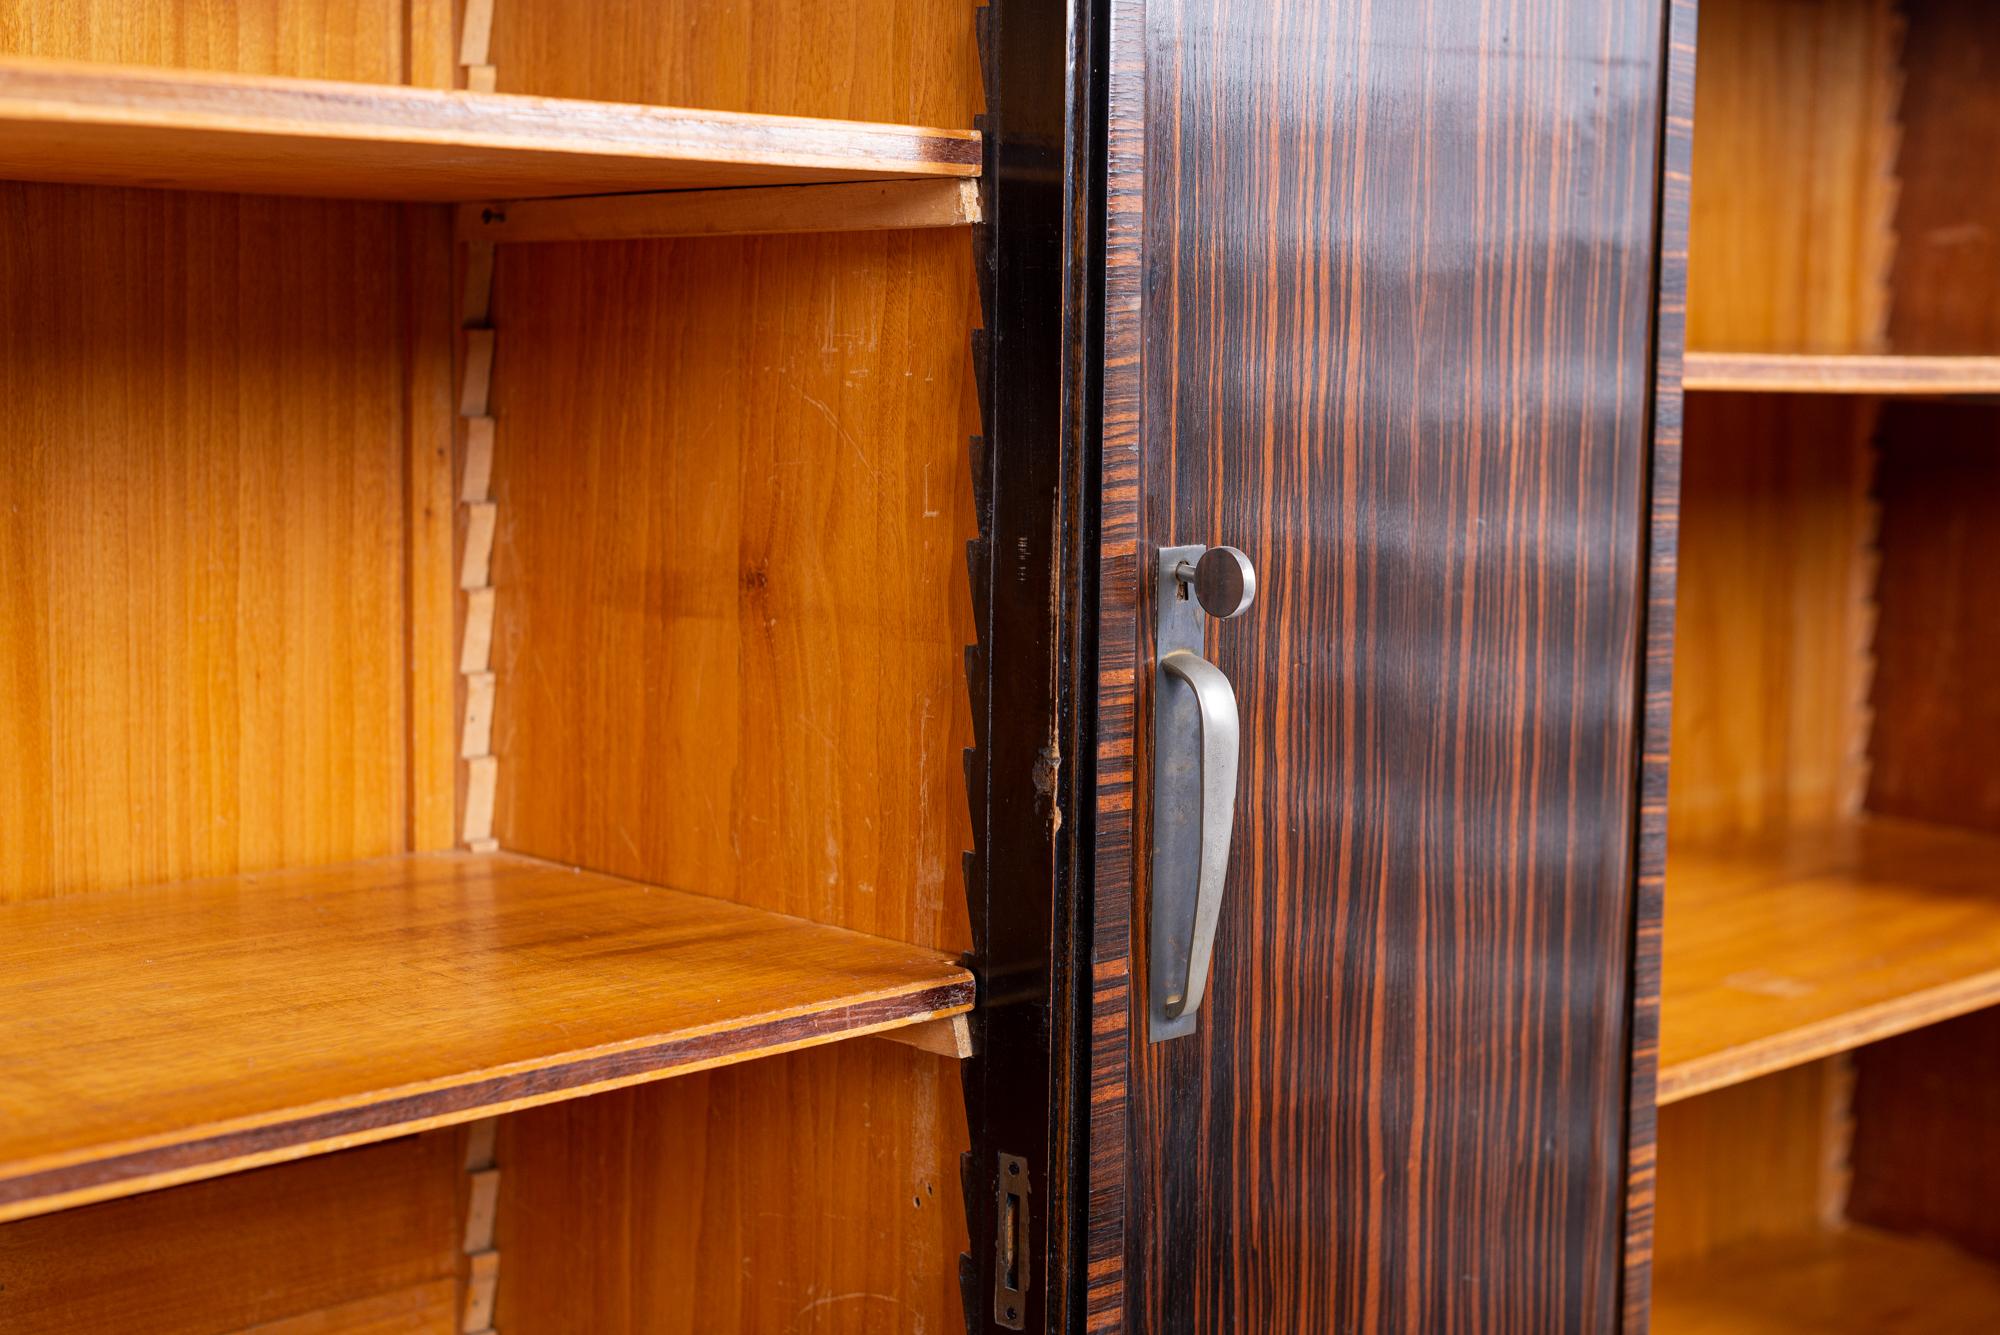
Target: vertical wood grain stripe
x,y
1656,720
1119,592
431,523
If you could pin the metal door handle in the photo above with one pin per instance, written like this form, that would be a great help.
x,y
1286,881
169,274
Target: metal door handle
x,y
1196,739
1215,704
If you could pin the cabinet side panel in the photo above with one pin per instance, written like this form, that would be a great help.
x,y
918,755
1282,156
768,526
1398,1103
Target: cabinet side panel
x,y
1657,670
733,500
733,495
204,616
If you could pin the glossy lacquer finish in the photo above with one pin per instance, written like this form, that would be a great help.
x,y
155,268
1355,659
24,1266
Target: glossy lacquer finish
x,y
1394,308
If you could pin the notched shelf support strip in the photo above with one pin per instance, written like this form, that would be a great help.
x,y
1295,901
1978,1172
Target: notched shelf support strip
x,y
475,576
482,1208
949,1037
863,206
480,1277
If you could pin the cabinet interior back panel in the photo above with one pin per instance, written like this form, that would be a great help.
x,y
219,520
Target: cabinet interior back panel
x,y
912,61
307,39
201,572
359,1242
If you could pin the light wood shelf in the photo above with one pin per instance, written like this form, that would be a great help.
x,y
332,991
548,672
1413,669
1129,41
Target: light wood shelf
x,y
1822,374
1782,952
143,126
1851,1279
156,1036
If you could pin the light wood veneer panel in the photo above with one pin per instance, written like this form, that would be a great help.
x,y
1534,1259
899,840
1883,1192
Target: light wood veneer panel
x,y
1819,941
187,1030
827,1187
310,39
131,125
733,499
1755,1163
1937,686
1947,272
1790,232
1773,618
202,587
733,505
914,62
366,1235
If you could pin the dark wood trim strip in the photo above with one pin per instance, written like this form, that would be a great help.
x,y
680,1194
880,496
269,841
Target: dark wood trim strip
x,y
1657,675
213,1155
1119,589
1017,1087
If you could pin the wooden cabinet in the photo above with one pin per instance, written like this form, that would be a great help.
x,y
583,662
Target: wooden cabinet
x,y
483,529
586,643
1831,942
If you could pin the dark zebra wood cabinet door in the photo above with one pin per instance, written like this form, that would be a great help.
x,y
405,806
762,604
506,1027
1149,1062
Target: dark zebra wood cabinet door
x,y
1379,294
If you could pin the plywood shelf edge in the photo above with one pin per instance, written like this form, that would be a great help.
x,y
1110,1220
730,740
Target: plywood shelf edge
x,y
152,127
1811,373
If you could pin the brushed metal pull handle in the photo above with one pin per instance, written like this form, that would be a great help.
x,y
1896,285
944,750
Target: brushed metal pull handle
x,y
1215,704
1196,741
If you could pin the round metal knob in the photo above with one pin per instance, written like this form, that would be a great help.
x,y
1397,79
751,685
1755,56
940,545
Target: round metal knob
x,y
1224,582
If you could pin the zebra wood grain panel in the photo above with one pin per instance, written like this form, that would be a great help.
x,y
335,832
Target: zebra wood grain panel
x,y
202,588
1406,364
137,126
388,996
1657,675
1120,592
294,1244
